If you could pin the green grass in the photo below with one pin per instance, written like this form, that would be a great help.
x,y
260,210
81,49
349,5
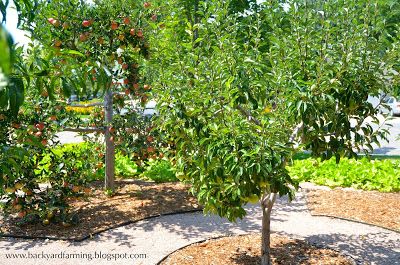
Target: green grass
x,y
380,173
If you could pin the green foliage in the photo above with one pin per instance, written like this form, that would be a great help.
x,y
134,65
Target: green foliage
x,y
160,170
382,175
235,91
124,166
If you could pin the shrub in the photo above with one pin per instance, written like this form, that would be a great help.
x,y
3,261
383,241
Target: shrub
x,y
382,175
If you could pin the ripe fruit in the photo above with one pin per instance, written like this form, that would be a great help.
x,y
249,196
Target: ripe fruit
x,y
44,94
126,81
114,25
150,138
132,32
127,21
40,126
86,23
146,87
111,129
99,165
76,188
139,33
146,4
38,134
150,149
84,36
44,142
53,118
127,91
136,86
124,66
21,214
46,221
154,17
54,22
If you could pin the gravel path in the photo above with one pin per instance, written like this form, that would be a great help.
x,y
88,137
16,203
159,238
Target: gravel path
x,y
157,237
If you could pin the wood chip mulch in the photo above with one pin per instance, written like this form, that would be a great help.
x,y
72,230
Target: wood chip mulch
x,y
133,201
371,207
245,250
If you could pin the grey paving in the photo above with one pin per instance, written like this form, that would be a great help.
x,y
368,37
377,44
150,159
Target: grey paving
x,y
160,236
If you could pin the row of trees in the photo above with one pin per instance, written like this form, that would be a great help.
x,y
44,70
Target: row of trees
x,y
240,86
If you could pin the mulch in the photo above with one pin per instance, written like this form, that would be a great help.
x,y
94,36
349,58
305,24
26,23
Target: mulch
x,y
371,207
246,250
133,201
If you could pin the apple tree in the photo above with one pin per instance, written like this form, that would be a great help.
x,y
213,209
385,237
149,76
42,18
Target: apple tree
x,y
241,92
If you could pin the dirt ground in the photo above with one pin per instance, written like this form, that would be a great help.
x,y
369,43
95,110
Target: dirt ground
x,y
372,207
133,201
246,250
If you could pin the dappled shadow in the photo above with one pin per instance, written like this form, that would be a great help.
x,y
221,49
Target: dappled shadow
x,y
374,248
134,201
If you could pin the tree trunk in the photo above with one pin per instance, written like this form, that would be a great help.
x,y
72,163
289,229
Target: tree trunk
x,y
110,148
267,202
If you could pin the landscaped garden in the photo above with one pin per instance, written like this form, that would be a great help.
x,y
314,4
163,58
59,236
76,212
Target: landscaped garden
x,y
255,101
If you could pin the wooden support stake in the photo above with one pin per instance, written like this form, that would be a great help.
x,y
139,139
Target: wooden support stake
x,y
110,148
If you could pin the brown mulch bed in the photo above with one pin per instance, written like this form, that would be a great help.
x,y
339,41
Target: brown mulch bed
x,y
371,207
133,201
245,250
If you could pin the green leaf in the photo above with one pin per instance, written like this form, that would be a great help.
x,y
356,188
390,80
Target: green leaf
x,y
15,94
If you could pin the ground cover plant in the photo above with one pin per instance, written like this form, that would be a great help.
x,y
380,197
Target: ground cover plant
x,y
377,174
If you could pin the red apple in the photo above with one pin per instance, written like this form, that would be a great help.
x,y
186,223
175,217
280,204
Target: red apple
x,y
146,4
154,17
136,86
127,21
132,32
114,25
86,23
139,33
146,87
124,66
40,126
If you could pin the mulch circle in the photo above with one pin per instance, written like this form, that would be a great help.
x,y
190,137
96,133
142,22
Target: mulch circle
x,y
369,207
246,250
133,201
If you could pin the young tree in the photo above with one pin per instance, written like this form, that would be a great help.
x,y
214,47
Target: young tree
x,y
237,90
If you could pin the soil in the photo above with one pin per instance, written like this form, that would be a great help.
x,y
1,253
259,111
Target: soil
x,y
133,200
245,250
371,207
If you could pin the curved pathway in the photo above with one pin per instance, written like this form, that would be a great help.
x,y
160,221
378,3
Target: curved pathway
x,y
157,237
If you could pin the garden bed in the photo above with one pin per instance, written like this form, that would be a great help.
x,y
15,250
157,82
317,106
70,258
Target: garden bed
x,y
371,207
133,200
245,250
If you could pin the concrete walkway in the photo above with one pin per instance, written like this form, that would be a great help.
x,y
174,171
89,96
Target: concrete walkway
x,y
157,237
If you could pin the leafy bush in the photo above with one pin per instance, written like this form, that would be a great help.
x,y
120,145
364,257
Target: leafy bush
x,y
382,175
160,170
